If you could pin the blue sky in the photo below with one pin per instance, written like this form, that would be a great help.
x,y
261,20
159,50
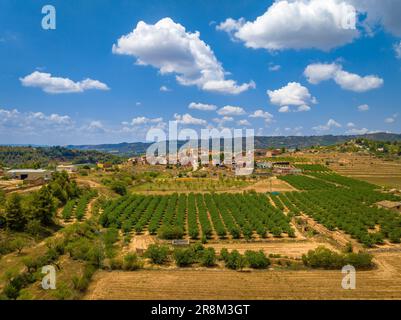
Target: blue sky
x,y
277,70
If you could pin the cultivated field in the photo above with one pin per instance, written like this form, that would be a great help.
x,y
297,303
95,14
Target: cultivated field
x,y
381,283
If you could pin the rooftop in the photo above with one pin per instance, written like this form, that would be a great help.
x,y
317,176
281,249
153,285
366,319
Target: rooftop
x,y
27,171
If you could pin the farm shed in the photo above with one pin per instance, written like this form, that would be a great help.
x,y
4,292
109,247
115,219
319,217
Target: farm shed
x,y
68,168
29,174
390,205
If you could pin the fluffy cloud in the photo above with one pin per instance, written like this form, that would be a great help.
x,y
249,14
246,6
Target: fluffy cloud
x,y
167,46
187,119
350,125
231,111
318,72
355,131
138,121
202,106
363,107
274,67
223,120
391,119
293,94
164,89
296,24
33,123
56,85
262,114
328,126
397,49
243,122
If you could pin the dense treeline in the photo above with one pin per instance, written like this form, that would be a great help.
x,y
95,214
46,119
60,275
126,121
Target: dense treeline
x,y
39,157
31,213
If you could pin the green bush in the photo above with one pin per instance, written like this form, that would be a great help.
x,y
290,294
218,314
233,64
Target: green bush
x,y
170,232
208,257
224,254
184,257
235,261
131,262
257,259
324,258
157,254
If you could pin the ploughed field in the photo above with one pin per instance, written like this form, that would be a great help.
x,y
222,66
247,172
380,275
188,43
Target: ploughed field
x,y
384,282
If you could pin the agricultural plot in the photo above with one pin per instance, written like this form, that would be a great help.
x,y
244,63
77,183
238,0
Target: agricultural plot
x,y
352,211
237,216
77,207
307,183
343,181
193,185
313,167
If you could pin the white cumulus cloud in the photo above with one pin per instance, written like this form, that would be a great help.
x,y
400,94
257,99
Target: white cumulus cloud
x,y
231,111
296,24
363,107
268,117
293,94
55,85
167,46
318,72
328,126
189,120
202,106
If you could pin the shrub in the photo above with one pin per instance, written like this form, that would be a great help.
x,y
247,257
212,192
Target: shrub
x,y
119,188
224,254
131,262
257,259
116,264
322,257
18,244
235,261
359,260
170,232
208,257
34,227
157,254
184,257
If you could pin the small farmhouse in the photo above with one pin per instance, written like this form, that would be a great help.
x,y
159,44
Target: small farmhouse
x,y
69,168
29,174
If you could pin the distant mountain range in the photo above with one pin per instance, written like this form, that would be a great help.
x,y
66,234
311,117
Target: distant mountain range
x,y
136,148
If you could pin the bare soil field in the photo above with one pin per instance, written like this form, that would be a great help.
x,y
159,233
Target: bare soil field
x,y
381,283
271,185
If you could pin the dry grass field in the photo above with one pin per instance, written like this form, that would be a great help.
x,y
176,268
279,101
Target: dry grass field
x,y
381,283
363,167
